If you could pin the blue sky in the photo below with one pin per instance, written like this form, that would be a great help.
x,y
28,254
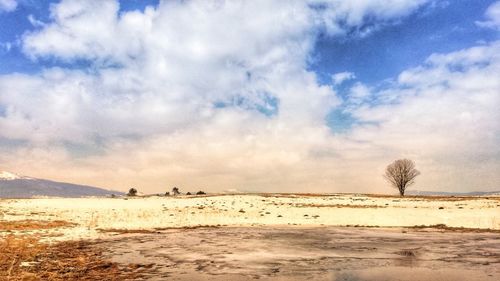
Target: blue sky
x,y
438,27
382,55
304,85
434,28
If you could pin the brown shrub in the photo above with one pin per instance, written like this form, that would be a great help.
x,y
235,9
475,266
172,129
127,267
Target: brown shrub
x,y
33,225
26,258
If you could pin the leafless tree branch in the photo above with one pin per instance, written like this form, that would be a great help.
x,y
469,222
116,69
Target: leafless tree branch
x,y
401,174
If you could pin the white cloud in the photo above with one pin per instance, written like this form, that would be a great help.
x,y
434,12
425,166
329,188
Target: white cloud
x,y
359,93
492,16
445,115
339,78
6,46
35,22
353,14
8,5
176,61
176,95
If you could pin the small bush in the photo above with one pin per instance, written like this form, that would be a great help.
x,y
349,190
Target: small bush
x,y
175,191
132,192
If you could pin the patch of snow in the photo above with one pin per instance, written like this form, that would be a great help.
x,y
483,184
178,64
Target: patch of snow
x,y
151,213
10,176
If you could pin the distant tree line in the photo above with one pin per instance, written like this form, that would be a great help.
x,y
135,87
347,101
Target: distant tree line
x,y
175,191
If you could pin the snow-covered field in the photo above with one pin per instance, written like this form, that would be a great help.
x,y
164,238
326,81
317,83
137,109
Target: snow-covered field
x,y
92,215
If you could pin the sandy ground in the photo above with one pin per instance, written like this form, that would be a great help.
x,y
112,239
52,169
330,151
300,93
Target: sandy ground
x,y
339,237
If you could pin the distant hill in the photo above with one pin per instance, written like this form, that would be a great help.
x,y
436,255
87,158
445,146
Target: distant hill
x,y
16,186
440,193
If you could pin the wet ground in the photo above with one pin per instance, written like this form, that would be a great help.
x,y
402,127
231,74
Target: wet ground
x,y
327,253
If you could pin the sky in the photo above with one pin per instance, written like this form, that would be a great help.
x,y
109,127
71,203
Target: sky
x,y
274,96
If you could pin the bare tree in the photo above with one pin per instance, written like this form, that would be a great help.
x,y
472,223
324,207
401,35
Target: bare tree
x,y
401,174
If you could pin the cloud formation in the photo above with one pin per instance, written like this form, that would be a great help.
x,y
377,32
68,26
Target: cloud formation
x,y
492,16
218,95
8,5
339,78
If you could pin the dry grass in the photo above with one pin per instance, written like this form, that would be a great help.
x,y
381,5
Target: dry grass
x,y
155,230
299,205
33,225
407,253
442,227
25,258
369,195
456,229
436,197
126,231
294,195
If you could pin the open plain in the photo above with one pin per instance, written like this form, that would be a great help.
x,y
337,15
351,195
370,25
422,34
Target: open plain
x,y
253,236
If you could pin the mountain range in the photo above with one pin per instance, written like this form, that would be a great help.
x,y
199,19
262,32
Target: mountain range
x,y
443,193
17,186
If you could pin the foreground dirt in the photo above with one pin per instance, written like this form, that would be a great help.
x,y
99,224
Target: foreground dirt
x,y
326,253
248,237
259,253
